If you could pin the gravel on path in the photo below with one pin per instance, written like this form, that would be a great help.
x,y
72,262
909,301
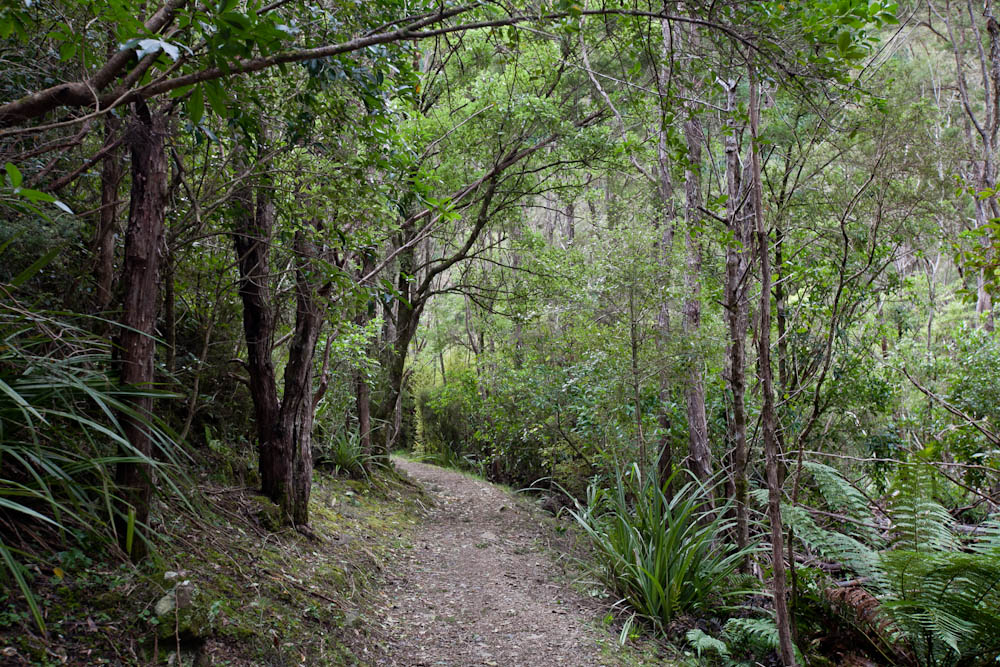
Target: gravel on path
x,y
478,586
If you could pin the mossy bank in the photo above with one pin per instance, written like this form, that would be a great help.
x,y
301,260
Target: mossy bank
x,y
224,587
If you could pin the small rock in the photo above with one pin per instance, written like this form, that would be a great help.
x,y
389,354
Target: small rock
x,y
166,604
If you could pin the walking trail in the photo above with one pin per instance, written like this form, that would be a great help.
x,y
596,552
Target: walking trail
x,y
479,586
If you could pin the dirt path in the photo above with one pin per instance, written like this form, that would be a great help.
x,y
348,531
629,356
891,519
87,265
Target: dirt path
x,y
478,587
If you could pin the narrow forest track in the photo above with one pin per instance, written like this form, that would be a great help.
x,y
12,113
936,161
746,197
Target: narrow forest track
x,y
478,585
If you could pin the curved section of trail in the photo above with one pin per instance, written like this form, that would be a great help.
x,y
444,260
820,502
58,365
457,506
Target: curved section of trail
x,y
478,586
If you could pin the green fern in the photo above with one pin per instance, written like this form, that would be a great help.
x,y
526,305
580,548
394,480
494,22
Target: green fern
x,y
703,642
837,491
835,546
759,635
920,523
941,602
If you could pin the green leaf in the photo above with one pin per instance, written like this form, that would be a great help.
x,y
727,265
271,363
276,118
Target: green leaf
x,y
843,40
195,105
216,97
35,195
67,50
35,267
14,174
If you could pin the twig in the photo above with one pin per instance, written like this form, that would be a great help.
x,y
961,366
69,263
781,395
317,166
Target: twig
x,y
990,435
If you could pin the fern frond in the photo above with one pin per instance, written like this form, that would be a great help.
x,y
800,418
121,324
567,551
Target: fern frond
x,y
989,541
920,522
703,642
838,547
839,493
760,634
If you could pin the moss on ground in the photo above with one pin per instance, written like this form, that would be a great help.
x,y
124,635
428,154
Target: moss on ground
x,y
225,586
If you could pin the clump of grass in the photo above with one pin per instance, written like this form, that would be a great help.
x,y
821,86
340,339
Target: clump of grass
x,y
343,455
60,440
663,552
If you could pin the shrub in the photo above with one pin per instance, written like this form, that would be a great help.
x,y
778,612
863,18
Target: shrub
x,y
665,554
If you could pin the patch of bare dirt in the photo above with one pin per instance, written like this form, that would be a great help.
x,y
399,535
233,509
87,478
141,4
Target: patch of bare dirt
x,y
478,586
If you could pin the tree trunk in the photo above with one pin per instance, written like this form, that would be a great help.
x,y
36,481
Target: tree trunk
x,y
135,351
251,239
409,307
296,404
107,220
640,439
768,416
737,313
781,310
362,392
699,454
666,192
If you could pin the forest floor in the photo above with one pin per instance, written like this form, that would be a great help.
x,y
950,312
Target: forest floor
x,y
431,568
485,580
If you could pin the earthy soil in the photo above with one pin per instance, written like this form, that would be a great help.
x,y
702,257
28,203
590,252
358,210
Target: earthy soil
x,y
479,585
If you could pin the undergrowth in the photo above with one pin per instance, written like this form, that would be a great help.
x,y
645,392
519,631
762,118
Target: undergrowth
x,y
222,585
662,550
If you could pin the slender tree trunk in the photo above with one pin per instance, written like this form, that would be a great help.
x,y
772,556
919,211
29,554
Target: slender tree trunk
x,y
570,223
409,307
107,219
666,193
737,314
136,347
636,395
252,238
699,454
363,400
362,391
781,310
768,416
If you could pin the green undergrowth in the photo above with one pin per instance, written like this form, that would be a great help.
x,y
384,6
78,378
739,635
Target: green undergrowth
x,y
224,587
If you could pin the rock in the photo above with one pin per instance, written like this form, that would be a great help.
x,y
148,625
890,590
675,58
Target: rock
x,y
177,613
165,605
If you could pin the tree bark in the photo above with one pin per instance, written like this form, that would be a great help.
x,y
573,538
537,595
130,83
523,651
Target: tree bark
x,y
699,454
362,392
296,417
136,348
737,314
768,417
665,188
251,239
284,427
107,219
